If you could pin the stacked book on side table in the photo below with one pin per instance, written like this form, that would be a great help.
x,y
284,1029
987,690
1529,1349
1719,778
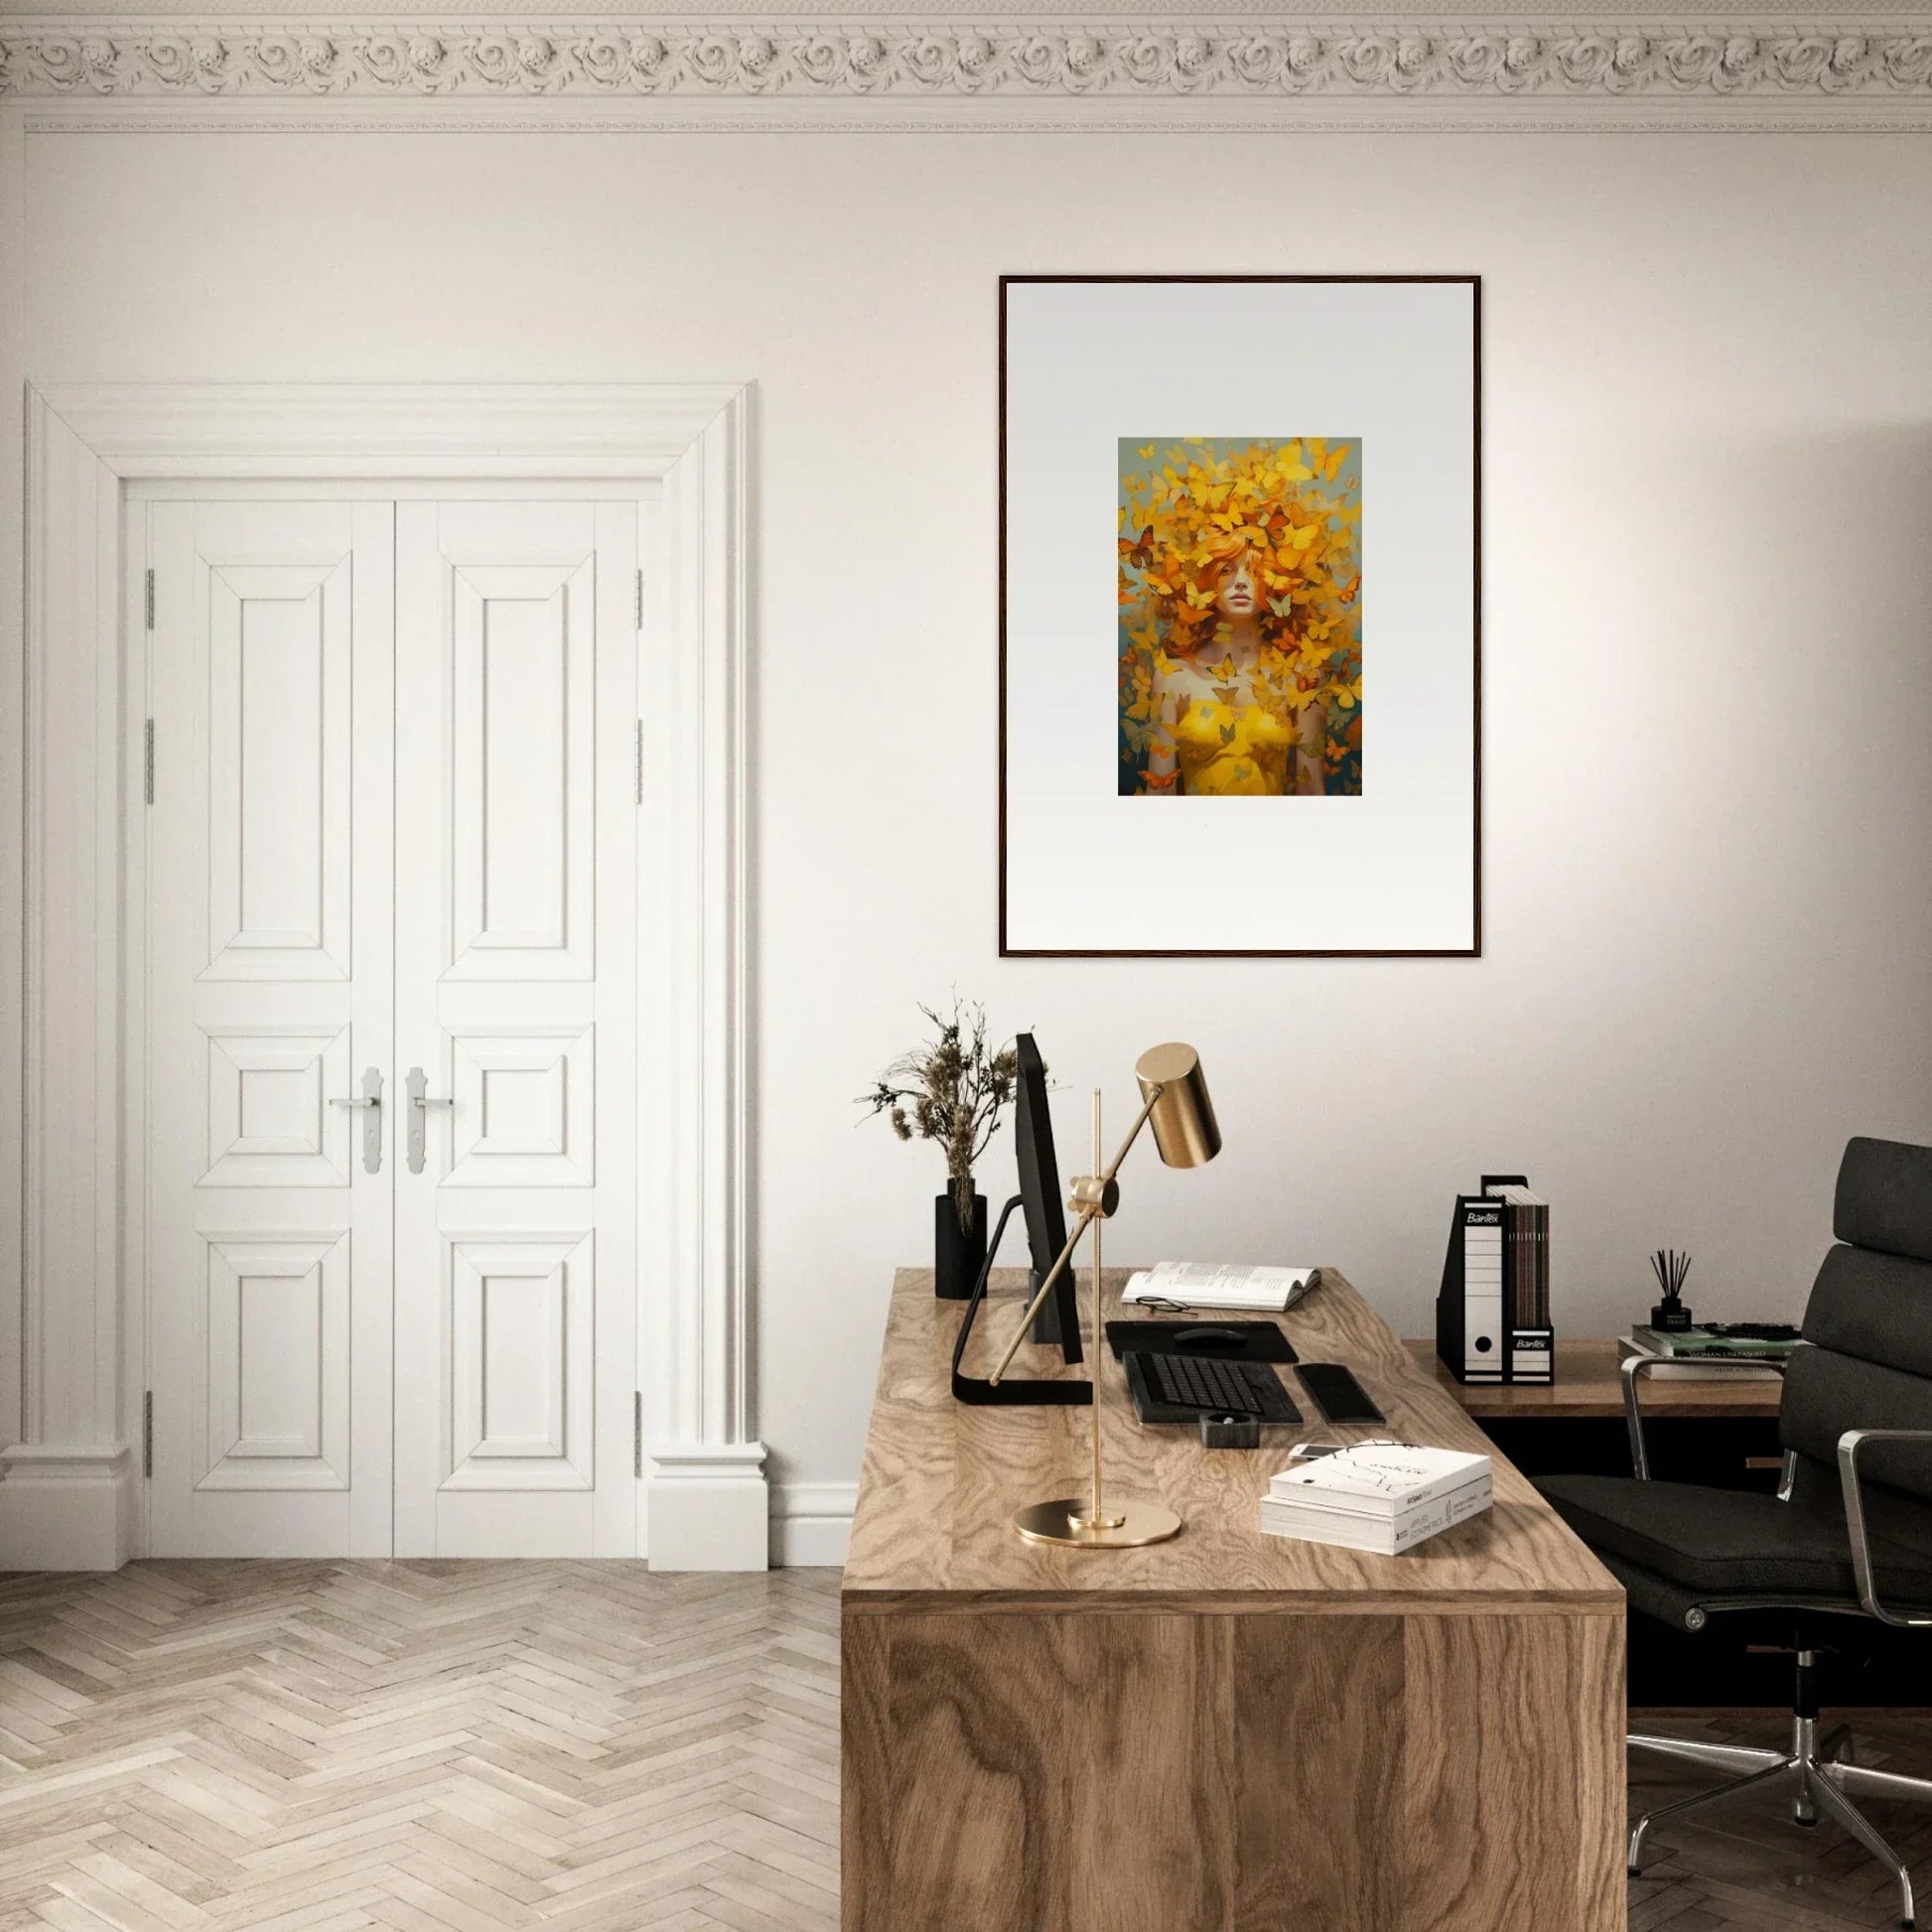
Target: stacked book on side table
x,y
1685,1354
1381,1496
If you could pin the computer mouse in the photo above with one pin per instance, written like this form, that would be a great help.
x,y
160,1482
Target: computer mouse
x,y
1208,1337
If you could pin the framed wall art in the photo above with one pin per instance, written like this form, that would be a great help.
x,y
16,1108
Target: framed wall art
x,y
1240,555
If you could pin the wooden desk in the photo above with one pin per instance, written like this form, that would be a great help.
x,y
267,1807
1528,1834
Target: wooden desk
x,y
1227,1733
1588,1385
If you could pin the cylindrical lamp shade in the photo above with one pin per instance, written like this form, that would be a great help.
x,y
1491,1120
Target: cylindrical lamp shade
x,y
1185,1127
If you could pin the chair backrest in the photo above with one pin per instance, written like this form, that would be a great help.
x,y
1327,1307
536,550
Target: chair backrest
x,y
1869,1327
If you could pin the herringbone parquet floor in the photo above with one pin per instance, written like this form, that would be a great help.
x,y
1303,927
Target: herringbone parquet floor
x,y
459,1747
431,1746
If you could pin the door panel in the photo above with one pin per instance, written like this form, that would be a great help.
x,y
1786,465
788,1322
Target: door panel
x,y
279,770
521,742
270,980
277,1315
515,993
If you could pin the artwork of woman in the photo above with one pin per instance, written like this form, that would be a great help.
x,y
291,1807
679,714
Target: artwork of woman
x,y
1240,669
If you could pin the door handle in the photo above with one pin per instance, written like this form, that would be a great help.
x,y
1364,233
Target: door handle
x,y
420,1102
370,1098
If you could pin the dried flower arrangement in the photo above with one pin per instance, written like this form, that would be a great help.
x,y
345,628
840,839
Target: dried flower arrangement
x,y
951,1090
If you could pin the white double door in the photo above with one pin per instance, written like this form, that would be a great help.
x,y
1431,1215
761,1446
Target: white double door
x,y
390,861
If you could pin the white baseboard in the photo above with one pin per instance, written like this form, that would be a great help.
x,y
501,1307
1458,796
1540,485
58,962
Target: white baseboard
x,y
74,1510
709,1507
811,1523
66,1508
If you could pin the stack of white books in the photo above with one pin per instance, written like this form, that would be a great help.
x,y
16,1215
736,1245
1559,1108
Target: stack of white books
x,y
1380,1496
1216,1284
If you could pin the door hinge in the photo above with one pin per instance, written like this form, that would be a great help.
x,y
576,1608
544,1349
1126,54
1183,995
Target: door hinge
x,y
641,760
147,1434
640,599
147,762
150,599
637,1433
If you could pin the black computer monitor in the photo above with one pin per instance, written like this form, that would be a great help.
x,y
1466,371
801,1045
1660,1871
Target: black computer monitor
x,y
1040,1196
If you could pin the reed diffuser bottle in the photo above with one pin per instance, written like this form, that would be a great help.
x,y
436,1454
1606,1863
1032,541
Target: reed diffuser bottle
x,y
1670,1316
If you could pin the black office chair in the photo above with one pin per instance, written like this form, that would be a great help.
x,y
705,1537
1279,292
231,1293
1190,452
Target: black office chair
x,y
1846,1540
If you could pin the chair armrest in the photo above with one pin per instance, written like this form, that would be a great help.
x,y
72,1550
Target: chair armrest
x,y
1848,1445
1635,1367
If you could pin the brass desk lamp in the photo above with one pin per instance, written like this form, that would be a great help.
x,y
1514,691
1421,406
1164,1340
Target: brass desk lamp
x,y
1174,1103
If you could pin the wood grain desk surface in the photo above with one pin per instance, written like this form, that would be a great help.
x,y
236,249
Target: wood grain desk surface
x,y
1588,1385
941,1479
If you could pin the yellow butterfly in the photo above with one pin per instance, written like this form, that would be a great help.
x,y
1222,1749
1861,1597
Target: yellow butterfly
x,y
1349,693
1147,453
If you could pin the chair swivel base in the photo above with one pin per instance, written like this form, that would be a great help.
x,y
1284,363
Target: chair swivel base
x,y
1819,1773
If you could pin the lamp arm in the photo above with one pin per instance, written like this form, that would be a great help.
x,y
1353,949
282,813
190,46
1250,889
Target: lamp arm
x,y
1088,1215
1133,1133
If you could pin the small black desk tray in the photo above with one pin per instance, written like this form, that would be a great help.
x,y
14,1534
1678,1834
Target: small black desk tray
x,y
1253,1341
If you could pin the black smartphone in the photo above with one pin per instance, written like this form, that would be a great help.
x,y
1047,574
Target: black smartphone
x,y
1338,1394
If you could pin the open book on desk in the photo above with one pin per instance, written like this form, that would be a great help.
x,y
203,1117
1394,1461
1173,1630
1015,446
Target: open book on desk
x,y
1216,1284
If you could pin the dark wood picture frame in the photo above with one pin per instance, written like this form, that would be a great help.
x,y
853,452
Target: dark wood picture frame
x,y
1474,949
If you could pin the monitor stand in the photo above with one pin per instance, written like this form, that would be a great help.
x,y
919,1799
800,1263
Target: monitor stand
x,y
1012,1390
1047,1328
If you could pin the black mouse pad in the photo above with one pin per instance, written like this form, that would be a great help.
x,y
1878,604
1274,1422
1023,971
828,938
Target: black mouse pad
x,y
1231,1342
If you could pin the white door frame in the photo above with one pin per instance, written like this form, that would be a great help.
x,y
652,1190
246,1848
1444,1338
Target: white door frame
x,y
73,1320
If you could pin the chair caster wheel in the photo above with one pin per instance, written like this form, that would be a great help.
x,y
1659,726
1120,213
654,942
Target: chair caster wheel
x,y
1633,1871
1810,1824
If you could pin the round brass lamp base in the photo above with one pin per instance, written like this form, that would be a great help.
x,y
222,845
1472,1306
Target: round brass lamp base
x,y
1064,1521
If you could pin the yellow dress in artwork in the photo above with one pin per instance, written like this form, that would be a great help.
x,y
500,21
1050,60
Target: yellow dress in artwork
x,y
1232,750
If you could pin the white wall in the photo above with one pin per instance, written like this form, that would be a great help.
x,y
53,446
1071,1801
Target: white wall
x,y
1708,647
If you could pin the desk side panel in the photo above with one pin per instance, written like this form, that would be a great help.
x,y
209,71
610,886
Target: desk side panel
x,y
1318,1720
1513,1780
1130,1773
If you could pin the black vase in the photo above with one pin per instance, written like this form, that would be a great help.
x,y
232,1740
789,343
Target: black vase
x,y
957,1256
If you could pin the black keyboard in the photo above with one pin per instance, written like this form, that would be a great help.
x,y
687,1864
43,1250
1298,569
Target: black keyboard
x,y
1204,1385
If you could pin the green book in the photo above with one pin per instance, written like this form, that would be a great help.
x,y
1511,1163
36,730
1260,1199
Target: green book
x,y
1701,1341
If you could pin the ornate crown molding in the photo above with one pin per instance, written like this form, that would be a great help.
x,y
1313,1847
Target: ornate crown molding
x,y
1732,74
